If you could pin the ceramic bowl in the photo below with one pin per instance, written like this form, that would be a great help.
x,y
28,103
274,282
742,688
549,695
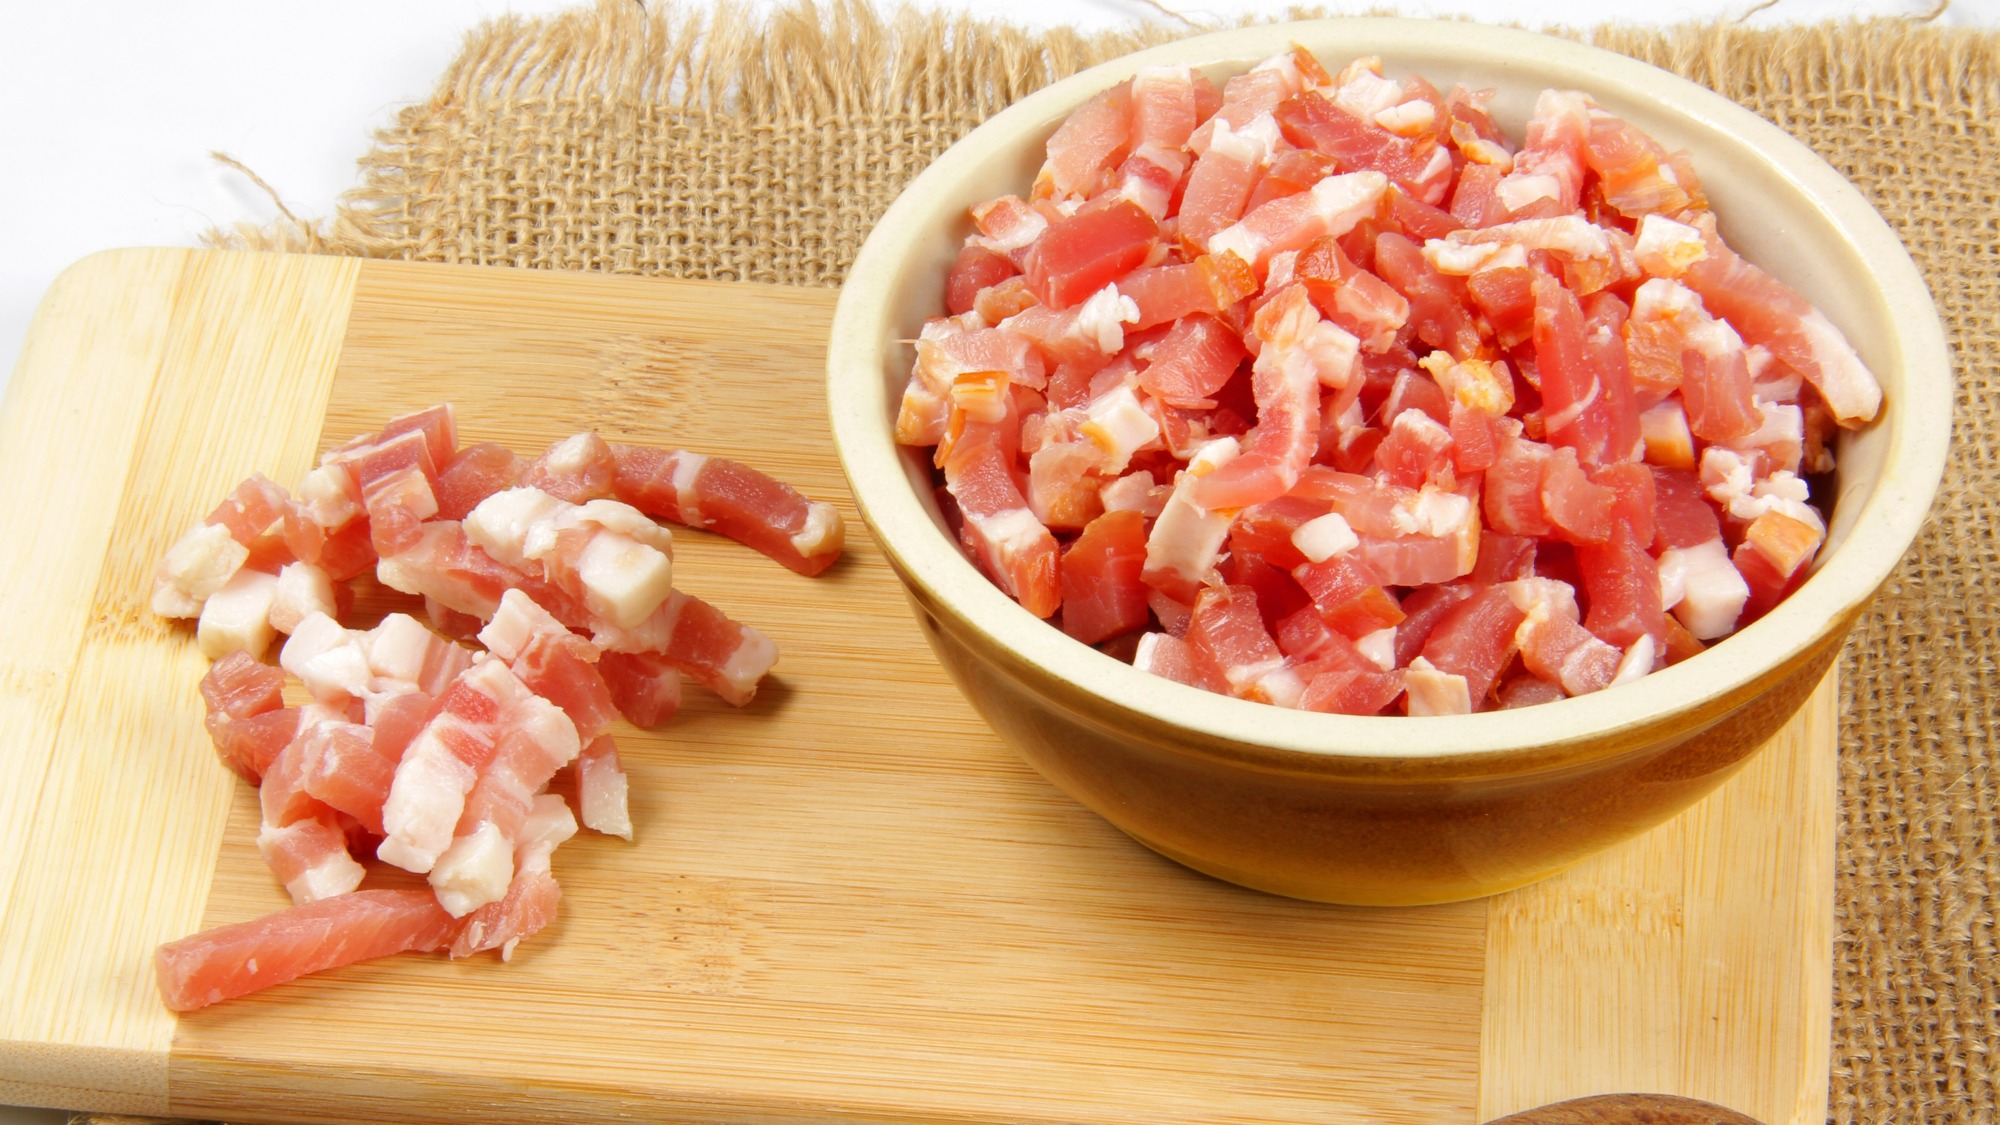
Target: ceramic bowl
x,y
1394,810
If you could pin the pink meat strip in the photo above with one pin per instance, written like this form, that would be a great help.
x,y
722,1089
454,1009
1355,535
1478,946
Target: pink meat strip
x,y
732,499
235,960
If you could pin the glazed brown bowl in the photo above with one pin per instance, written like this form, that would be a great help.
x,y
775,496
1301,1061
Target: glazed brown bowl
x,y
1394,810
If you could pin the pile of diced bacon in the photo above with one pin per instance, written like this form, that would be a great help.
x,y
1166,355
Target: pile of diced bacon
x,y
1315,390
430,755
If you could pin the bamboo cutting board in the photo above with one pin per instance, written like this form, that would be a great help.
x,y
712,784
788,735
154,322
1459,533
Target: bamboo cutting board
x,y
847,901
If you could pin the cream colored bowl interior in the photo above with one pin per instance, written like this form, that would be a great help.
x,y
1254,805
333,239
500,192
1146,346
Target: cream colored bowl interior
x,y
1777,202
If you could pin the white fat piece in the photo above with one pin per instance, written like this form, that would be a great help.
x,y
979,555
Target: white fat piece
x,y
425,801
623,580
1431,512
1729,478
1573,235
1415,424
1018,236
1770,381
303,590
1153,195
1335,354
1666,248
824,531
1463,253
1782,492
1146,657
1379,647
428,791
1238,239
1432,691
548,826
1118,425
335,874
519,620
1186,538
237,618
1011,530
1849,388
1660,298
507,524
572,454
1323,537
603,796
1782,427
1284,64
687,470
1408,119
1362,90
1459,259
328,659
1346,199
1713,593
1263,130
654,634
1243,146
313,714
1509,255
547,725
1638,661
1673,567
1102,318
1278,684
623,518
1132,492
1479,150
1668,440
1271,680
329,497
1541,599
397,648
474,870
194,568
1473,383
1519,189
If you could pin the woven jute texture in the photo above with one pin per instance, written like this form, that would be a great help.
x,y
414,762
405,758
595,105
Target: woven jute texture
x,y
626,141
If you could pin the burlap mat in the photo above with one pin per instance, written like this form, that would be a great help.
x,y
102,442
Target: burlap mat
x,y
626,142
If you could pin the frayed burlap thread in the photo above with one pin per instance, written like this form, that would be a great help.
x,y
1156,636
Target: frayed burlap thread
x,y
709,145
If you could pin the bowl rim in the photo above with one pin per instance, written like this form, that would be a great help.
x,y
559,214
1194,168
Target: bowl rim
x,y
942,578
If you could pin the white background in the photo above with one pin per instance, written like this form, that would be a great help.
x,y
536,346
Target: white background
x,y
111,108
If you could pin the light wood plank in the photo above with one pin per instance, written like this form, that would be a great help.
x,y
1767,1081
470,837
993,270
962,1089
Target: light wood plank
x,y
167,376
1694,960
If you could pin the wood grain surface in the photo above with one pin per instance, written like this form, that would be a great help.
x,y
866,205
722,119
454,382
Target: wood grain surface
x,y
846,901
